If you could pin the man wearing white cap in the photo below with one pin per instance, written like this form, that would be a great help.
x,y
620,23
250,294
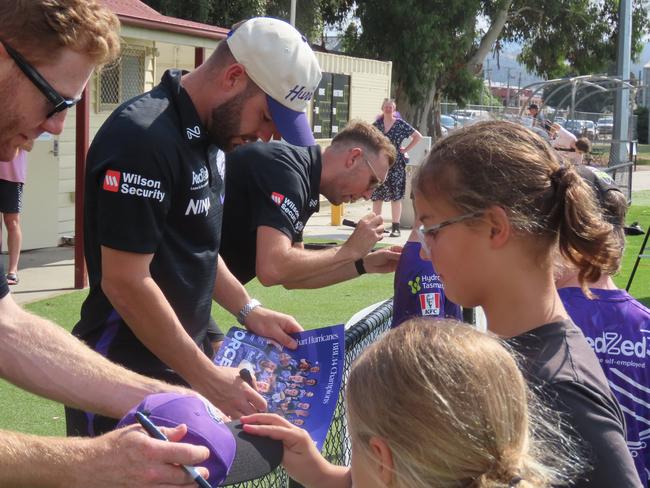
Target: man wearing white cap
x,y
153,211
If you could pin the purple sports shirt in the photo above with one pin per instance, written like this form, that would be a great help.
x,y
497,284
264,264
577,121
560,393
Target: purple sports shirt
x,y
617,327
418,289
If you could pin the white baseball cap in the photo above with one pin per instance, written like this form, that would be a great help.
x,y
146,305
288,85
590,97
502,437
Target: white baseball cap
x,y
279,60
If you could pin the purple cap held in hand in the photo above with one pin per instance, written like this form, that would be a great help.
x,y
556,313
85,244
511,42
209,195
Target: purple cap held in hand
x,y
235,456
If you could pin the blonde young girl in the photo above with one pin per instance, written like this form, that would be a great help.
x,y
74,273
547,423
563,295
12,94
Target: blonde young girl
x,y
495,203
431,404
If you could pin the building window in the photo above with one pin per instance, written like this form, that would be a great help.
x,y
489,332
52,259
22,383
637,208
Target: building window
x,y
122,79
331,107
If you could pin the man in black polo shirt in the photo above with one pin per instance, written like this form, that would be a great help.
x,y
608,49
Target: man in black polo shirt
x,y
273,189
153,213
48,51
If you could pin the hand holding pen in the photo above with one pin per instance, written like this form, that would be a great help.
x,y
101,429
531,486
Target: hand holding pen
x,y
154,432
246,375
352,223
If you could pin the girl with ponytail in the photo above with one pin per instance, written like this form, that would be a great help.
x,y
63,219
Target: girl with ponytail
x,y
496,204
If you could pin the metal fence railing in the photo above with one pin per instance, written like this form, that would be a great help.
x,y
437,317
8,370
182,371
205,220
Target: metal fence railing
x,y
622,176
337,448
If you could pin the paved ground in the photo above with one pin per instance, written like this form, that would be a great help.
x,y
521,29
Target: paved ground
x,y
48,272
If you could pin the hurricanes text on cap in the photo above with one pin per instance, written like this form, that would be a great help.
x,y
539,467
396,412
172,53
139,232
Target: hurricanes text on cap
x,y
278,59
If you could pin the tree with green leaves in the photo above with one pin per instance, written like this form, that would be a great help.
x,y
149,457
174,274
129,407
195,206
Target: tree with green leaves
x,y
438,47
225,13
197,10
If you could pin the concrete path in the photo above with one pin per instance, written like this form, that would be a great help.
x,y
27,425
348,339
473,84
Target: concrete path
x,y
48,272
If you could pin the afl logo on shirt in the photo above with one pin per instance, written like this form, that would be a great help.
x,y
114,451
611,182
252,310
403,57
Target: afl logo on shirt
x,y
112,180
430,303
278,198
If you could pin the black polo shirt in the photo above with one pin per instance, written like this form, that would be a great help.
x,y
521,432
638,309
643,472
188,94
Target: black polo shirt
x,y
153,187
275,185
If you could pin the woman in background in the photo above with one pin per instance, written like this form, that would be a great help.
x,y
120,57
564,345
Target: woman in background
x,y
392,190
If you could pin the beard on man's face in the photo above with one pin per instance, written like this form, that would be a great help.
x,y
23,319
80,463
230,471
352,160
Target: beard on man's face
x,y
225,123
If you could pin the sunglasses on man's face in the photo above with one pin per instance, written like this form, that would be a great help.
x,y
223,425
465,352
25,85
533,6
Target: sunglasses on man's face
x,y
59,102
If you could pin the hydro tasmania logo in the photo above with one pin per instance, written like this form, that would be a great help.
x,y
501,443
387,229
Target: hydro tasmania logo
x,y
132,184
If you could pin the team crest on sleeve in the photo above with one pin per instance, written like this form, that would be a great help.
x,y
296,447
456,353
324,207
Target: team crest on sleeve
x,y
430,304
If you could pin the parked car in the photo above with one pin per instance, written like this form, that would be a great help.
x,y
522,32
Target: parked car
x,y
605,126
582,128
574,126
448,122
589,130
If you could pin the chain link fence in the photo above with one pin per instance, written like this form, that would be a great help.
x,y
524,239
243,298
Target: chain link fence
x,y
605,152
337,448
622,176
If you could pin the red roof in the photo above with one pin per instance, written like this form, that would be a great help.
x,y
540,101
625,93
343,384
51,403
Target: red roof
x,y
136,13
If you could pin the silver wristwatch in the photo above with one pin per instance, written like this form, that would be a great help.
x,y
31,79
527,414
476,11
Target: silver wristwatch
x,y
248,308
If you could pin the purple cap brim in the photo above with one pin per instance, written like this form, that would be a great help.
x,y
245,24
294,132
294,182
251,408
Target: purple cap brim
x,y
235,456
293,126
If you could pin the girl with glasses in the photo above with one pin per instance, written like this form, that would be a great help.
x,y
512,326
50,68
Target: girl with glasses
x,y
495,203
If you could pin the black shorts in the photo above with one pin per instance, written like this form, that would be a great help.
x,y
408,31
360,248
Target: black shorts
x,y
214,332
11,196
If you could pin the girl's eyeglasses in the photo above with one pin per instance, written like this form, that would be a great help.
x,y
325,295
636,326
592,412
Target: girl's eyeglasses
x,y
431,232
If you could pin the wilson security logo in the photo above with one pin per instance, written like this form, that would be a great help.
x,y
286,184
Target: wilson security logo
x,y
112,181
133,184
289,208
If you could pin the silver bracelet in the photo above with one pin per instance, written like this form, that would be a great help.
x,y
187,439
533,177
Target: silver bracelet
x,y
246,309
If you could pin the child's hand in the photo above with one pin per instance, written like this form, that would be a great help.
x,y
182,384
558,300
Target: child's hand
x,y
301,459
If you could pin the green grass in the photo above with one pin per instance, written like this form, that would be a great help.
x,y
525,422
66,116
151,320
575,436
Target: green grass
x,y
641,286
643,154
25,412
335,304
600,151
